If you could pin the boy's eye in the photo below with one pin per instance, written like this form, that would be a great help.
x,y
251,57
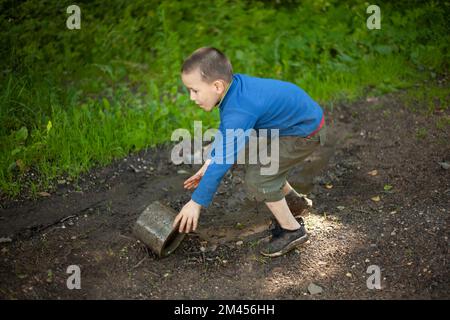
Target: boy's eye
x,y
194,91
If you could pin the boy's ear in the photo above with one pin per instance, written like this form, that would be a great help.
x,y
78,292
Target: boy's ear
x,y
220,85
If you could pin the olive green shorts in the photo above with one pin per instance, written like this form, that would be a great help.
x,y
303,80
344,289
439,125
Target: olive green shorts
x,y
292,151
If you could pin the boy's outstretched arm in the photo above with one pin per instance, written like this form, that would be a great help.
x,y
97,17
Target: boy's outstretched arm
x,y
209,179
189,214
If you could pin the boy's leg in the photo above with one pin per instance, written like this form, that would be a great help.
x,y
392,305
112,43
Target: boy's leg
x,y
288,234
283,214
297,202
272,189
287,188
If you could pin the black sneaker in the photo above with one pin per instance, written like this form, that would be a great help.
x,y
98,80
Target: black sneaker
x,y
298,203
276,229
283,240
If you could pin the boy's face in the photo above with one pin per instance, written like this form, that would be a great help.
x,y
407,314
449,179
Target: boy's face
x,y
205,95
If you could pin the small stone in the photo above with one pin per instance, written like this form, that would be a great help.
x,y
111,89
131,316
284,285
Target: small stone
x,y
314,289
340,207
182,172
202,249
4,240
136,170
393,233
376,198
239,243
348,274
444,165
367,261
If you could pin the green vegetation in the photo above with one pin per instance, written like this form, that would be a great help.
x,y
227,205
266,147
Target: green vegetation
x,y
73,99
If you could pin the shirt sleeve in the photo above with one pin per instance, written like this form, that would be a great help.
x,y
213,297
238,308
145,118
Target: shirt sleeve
x,y
217,140
234,133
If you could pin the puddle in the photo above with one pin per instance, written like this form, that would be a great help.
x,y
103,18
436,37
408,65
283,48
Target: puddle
x,y
235,227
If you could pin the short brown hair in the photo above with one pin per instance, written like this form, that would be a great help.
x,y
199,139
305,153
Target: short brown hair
x,y
212,63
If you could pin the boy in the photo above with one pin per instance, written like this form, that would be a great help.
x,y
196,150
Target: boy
x,y
252,103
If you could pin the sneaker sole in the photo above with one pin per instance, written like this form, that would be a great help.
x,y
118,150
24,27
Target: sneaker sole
x,y
288,248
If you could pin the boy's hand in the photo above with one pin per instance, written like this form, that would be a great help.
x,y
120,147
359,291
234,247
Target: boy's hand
x,y
193,181
188,217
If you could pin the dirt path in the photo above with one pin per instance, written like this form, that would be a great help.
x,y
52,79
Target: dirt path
x,y
405,233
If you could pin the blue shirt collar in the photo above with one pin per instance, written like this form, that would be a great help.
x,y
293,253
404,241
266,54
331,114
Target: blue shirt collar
x,y
227,92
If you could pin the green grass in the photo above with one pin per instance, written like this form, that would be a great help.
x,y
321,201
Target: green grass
x,y
428,99
74,99
421,133
443,123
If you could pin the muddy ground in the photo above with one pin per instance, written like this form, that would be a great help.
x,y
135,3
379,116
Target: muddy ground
x,y
356,222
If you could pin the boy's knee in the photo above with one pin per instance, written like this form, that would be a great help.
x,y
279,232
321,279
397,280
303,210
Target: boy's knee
x,y
262,189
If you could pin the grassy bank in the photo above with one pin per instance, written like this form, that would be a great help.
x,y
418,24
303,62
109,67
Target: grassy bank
x,y
72,99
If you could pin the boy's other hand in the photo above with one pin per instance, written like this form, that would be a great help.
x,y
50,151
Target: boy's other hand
x,y
193,181
188,217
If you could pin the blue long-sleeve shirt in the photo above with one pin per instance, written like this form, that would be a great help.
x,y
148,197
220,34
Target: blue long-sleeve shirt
x,y
255,103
